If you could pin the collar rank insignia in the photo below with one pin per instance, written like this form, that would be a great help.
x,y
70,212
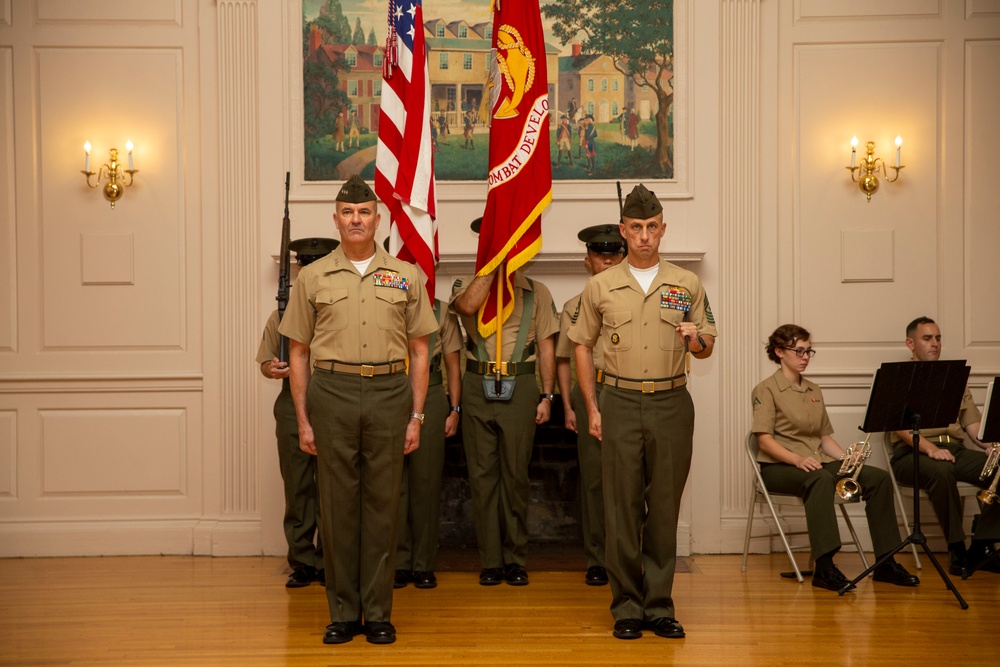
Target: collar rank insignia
x,y
391,280
675,298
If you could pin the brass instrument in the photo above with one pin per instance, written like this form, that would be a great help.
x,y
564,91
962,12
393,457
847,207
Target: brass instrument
x,y
989,496
855,457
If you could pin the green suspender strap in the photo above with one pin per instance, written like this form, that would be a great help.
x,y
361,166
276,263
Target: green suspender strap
x,y
519,367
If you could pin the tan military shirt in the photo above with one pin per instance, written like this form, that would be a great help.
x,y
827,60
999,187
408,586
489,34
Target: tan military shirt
x,y
637,329
968,414
269,341
796,417
449,336
356,319
544,320
564,347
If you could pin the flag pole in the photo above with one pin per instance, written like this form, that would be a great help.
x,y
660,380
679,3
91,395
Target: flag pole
x,y
501,277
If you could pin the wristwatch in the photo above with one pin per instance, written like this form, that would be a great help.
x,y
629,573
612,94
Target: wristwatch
x,y
419,416
551,397
456,408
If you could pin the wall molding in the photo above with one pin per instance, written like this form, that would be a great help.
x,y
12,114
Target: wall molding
x,y
239,220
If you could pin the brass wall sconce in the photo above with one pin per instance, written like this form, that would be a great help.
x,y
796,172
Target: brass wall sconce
x,y
865,173
114,172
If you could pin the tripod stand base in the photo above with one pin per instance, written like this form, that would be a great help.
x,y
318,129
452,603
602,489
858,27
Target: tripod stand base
x,y
920,540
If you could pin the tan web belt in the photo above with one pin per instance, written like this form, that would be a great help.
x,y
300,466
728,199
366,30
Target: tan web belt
x,y
364,370
646,386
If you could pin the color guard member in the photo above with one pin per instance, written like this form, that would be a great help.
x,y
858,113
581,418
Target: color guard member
x,y
499,433
605,248
298,469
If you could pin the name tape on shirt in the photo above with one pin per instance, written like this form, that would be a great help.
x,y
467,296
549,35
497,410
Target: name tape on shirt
x,y
391,280
678,299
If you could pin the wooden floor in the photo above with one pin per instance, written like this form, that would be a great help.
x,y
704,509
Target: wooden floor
x,y
235,611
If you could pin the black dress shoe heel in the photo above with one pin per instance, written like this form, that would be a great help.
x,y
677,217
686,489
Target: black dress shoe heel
x,y
424,580
491,576
596,576
515,574
301,577
667,627
894,573
628,628
402,578
380,632
341,632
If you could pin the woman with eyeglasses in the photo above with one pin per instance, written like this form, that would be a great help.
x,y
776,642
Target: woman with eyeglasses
x,y
798,456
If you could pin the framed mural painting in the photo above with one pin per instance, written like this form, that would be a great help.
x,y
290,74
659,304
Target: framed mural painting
x,y
618,97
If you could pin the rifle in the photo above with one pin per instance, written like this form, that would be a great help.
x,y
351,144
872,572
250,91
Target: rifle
x,y
621,208
284,272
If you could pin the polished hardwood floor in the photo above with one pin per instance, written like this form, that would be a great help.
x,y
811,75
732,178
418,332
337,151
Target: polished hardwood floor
x,y
176,610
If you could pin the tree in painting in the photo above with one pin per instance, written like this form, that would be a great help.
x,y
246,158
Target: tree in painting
x,y
638,36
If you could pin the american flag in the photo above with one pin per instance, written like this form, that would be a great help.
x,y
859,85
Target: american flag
x,y
404,163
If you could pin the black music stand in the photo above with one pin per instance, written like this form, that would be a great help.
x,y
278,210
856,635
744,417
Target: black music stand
x,y
905,396
989,432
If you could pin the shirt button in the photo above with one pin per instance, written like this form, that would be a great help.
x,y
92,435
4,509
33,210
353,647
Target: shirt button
x,y
363,322
364,344
645,347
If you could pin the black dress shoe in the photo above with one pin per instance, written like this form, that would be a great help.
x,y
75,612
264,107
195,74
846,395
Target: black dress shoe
x,y
894,573
380,632
515,574
402,578
597,576
341,632
628,628
424,580
321,576
301,577
958,563
830,578
666,627
491,576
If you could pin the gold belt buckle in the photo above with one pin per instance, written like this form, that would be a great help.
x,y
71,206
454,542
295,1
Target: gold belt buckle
x,y
367,371
648,387
491,368
946,439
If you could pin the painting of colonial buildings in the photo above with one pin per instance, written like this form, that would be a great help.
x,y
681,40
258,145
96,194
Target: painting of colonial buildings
x,y
611,114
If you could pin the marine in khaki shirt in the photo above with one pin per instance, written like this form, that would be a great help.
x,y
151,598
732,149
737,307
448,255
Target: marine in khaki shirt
x,y
795,416
605,247
499,434
646,313
359,312
949,455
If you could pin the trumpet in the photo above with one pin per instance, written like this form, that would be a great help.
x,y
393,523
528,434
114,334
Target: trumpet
x,y
855,457
989,496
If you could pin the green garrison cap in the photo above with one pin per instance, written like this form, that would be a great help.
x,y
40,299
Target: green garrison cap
x,y
475,224
310,249
355,191
602,239
641,204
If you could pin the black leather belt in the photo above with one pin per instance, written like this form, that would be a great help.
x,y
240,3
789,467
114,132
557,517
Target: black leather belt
x,y
646,386
506,367
364,370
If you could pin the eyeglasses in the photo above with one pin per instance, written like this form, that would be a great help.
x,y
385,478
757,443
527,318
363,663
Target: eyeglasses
x,y
802,352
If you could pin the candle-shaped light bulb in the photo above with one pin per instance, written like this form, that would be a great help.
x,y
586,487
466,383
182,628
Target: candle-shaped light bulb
x,y
128,147
854,150
899,142
86,160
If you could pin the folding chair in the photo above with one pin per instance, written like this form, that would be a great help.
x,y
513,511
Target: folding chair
x,y
759,495
965,490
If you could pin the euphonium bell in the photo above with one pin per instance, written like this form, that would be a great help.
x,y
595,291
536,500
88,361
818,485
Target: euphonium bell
x,y
855,457
989,496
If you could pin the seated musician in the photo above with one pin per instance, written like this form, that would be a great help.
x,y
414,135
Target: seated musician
x,y
945,460
798,456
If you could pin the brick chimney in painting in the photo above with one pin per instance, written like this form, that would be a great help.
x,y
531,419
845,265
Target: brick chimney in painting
x,y
576,49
